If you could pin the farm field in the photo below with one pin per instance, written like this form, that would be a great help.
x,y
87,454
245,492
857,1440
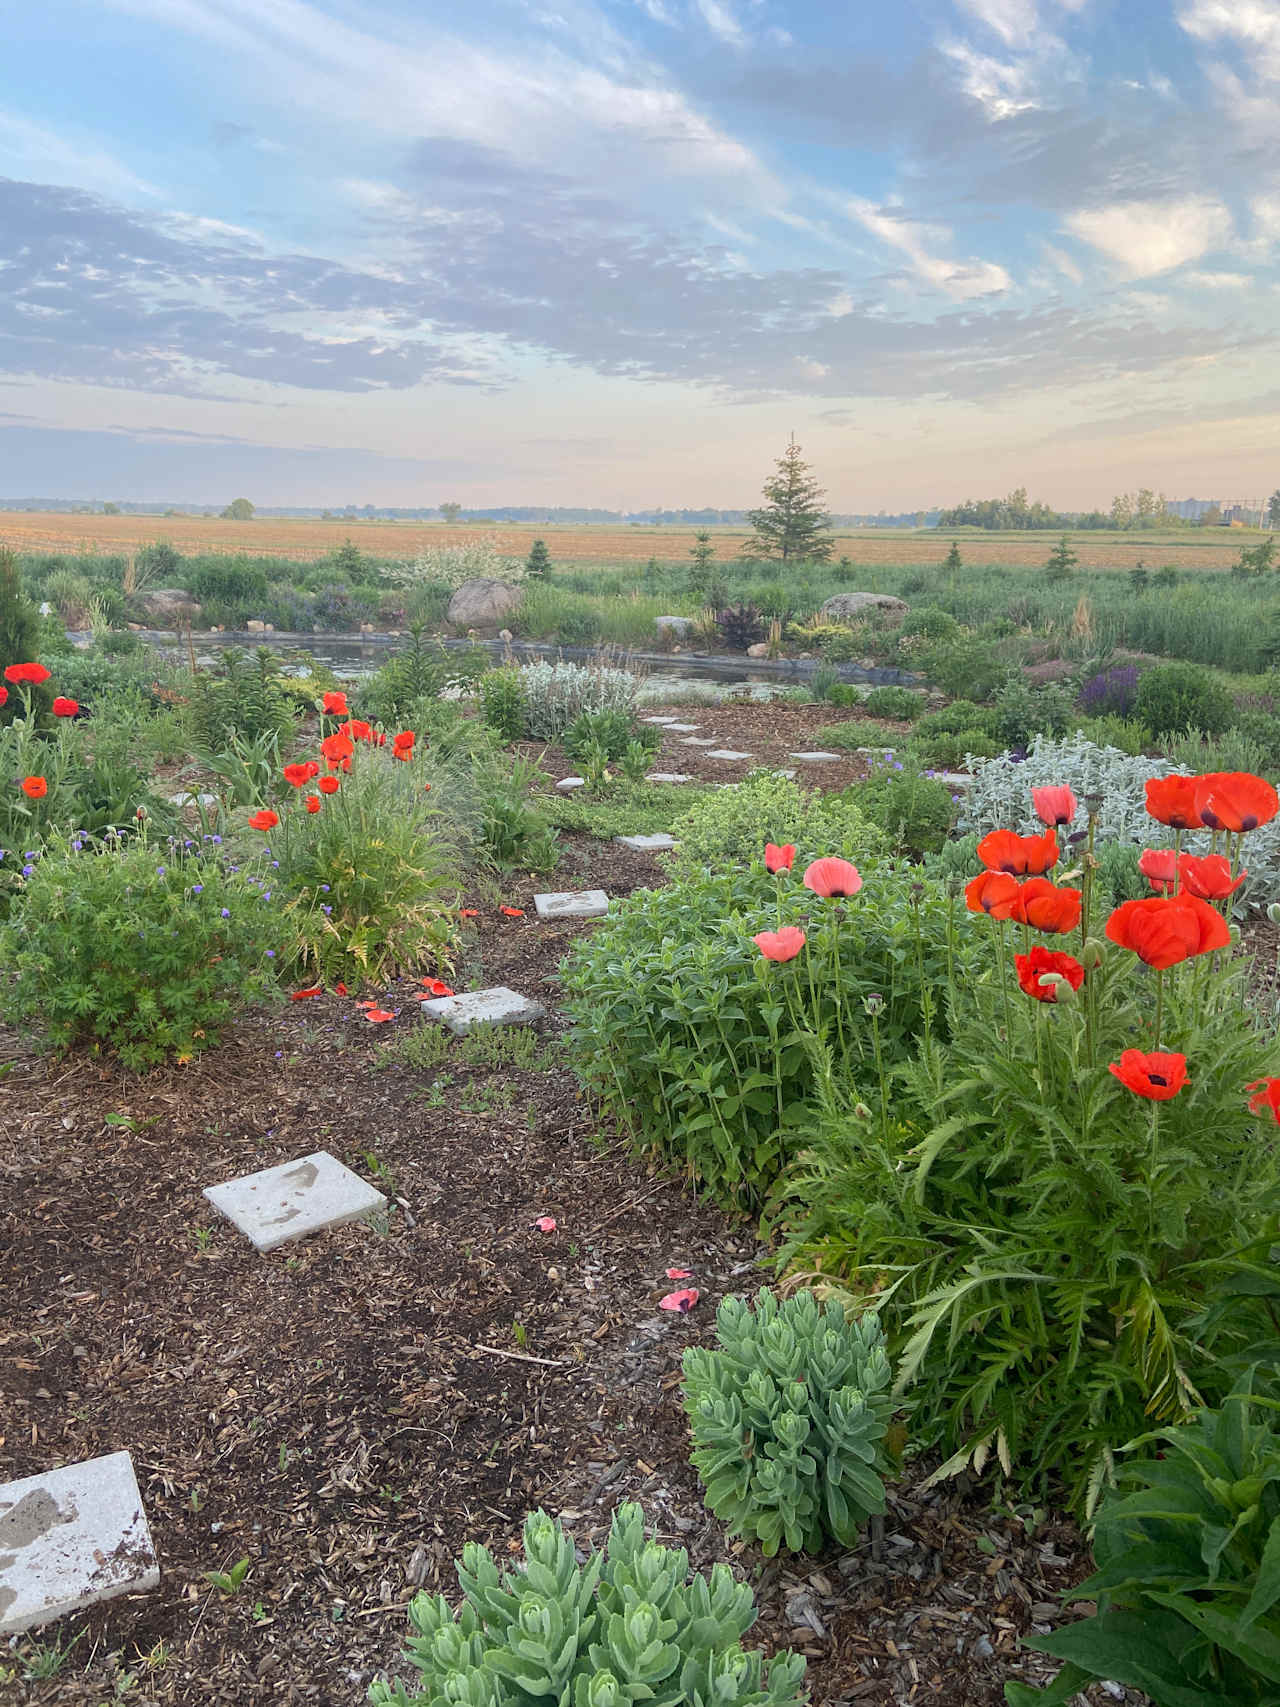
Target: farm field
x,y
37,531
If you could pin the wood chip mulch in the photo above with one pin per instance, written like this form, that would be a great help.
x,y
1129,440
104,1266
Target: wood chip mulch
x,y
347,1411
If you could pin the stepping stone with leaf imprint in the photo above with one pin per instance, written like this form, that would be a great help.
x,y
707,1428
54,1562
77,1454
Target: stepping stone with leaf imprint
x,y
71,1538
587,904
295,1198
498,1006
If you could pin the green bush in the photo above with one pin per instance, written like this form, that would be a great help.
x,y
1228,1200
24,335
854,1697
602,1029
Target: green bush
x,y
513,826
622,808
915,812
962,662
247,699
788,1415
613,732
1187,1593
900,705
624,1627
422,670
502,703
1023,712
1126,734
1173,698
236,582
142,951
728,828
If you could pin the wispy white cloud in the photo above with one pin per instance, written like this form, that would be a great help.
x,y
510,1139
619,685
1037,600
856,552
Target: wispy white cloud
x,y
721,20
958,279
1252,25
1063,263
1219,280
1145,238
32,150
1002,88
1014,21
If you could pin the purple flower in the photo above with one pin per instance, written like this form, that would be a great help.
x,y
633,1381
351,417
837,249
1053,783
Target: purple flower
x,y
271,954
266,894
216,840
275,865
226,912
159,871
325,909
324,888
197,888
27,870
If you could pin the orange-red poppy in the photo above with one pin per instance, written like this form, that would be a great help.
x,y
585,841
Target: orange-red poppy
x,y
1045,907
402,746
1019,856
469,913
4,695
783,944
313,803
777,858
833,879
337,749
1156,1076
328,785
297,776
1171,800
306,995
1160,867
264,820
1055,805
378,1016
1266,1094
32,674
1209,876
335,704
356,729
1235,800
64,707
35,787
1046,963
1162,931
992,892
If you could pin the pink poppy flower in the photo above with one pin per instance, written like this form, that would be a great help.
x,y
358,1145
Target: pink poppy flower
x,y
833,879
680,1302
1159,866
779,858
1054,805
780,945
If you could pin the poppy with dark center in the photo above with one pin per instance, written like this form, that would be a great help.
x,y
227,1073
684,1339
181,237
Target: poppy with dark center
x,y
1235,800
264,820
313,803
1055,805
1157,1076
833,879
1046,964
783,944
30,674
1266,1094
1171,800
1209,876
679,1274
512,912
335,704
306,995
681,1301
992,892
777,858
1165,931
328,785
63,707
1019,856
35,787
1046,907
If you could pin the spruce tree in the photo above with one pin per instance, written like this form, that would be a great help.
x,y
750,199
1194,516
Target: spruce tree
x,y
953,560
791,522
538,563
1062,560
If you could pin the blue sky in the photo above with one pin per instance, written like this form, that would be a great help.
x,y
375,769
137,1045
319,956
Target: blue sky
x,y
615,251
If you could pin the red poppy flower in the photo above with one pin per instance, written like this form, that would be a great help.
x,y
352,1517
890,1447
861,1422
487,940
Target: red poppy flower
x,y
297,776
306,995
35,787
1266,1094
1054,805
512,912
1160,867
833,879
426,788
1041,961
340,988
469,913
1020,856
1157,1077
780,945
378,1016
779,858
33,674
436,987
356,729
402,746
337,750
1164,931
264,820
1235,800
992,892
4,695
328,785
682,1301
313,803
63,707
335,704
1208,876
1171,800
1046,908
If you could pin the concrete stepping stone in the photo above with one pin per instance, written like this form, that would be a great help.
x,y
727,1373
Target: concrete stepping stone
x,y
682,728
727,753
71,1538
657,843
498,1006
698,741
788,773
564,904
662,720
954,779
567,784
294,1199
667,776
815,758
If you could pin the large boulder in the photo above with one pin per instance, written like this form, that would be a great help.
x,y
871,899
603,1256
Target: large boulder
x,y
851,607
167,607
483,603
673,627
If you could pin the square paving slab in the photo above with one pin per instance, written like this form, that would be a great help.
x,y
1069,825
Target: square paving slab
x,y
586,904
662,720
815,758
667,776
696,741
498,1006
683,728
657,843
283,1203
70,1538
727,753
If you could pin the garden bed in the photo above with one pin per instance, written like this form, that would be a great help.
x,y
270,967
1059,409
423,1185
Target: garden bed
x,y
348,1411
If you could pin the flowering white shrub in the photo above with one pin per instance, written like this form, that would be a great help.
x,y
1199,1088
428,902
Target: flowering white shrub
x,y
451,565
554,694
1000,796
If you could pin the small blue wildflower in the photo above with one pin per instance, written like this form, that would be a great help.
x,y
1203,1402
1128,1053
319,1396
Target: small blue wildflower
x,y
216,840
275,865
197,888
226,912
27,870
325,909
324,888
266,894
271,954
159,871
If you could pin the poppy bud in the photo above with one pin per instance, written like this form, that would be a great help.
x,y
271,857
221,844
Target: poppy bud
x,y
1062,991
874,1004
1273,912
1091,955
1078,836
861,1111
1093,804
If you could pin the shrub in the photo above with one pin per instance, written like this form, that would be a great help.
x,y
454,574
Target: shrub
x,y
625,1626
625,808
613,732
421,670
142,951
900,705
915,812
340,609
788,1415
156,562
1175,697
1186,1586
728,828
236,582
554,694
1125,734
1022,712
513,828
502,703
19,627
740,626
962,663
246,700
451,565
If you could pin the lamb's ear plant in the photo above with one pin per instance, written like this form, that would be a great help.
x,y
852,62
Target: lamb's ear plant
x,y
626,1626
789,1415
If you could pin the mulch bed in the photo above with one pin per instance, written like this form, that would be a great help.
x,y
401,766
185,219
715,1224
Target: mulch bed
x,y
347,1411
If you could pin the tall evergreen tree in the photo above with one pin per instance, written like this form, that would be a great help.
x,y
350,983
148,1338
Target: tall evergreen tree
x,y
791,522
537,565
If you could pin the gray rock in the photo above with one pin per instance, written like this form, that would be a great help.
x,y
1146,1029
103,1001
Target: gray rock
x,y
166,606
759,650
498,1006
71,1538
846,607
697,741
657,843
667,776
567,784
673,627
483,603
296,1198
662,720
586,904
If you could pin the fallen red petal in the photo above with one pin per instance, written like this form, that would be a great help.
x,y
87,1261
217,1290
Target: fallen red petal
x,y
378,1016
679,1274
546,1223
512,912
302,995
681,1302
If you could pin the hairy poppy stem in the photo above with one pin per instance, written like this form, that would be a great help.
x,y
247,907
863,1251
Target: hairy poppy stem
x,y
1159,1006
1004,988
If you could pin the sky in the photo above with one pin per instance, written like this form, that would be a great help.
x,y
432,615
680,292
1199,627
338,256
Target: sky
x,y
616,252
